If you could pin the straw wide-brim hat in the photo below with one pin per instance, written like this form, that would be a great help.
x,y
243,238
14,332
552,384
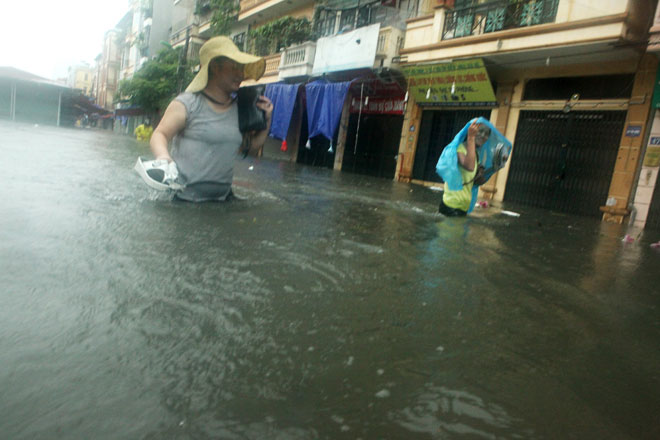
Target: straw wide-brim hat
x,y
224,47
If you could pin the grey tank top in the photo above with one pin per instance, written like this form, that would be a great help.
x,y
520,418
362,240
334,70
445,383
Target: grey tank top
x,y
205,150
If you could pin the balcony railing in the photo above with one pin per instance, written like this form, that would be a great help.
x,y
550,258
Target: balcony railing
x,y
298,60
498,15
272,64
249,4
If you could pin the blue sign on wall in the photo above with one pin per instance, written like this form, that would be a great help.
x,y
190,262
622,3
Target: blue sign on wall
x,y
655,140
633,131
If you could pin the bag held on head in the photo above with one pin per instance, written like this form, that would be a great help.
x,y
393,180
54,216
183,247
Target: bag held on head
x,y
250,118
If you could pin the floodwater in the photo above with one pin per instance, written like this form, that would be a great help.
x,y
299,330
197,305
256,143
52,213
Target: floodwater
x,y
324,306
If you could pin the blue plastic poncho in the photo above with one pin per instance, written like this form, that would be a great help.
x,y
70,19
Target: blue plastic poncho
x,y
492,155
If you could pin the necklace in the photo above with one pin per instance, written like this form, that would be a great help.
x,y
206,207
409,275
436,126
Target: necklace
x,y
215,100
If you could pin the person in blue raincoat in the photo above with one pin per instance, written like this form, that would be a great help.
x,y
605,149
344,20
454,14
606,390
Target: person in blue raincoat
x,y
475,154
457,203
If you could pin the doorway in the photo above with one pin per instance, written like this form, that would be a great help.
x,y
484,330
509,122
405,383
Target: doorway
x,y
437,129
377,145
564,161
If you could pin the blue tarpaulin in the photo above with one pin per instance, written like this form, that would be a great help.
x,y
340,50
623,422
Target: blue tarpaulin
x,y
496,147
283,97
324,105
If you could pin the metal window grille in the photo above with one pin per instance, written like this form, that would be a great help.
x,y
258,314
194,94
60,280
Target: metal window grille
x,y
471,18
564,161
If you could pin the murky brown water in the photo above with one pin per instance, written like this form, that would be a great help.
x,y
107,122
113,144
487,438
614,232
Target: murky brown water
x,y
325,306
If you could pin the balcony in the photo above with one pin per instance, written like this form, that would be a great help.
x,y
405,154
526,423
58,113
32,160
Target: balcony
x,y
654,33
496,16
298,60
272,65
205,24
504,33
246,5
178,38
390,41
266,10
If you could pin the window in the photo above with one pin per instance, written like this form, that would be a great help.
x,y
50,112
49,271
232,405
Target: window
x,y
364,16
239,41
347,20
325,23
326,19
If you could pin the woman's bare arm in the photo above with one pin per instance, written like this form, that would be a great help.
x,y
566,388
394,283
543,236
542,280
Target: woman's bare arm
x,y
174,120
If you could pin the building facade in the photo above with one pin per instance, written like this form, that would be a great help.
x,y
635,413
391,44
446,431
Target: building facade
x,y
351,42
81,77
109,65
646,208
572,88
150,24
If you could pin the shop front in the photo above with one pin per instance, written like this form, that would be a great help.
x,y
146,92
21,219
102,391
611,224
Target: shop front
x,y
442,98
374,126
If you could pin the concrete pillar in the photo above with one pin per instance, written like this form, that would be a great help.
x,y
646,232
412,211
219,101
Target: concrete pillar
x,y
500,119
343,131
12,102
438,23
408,144
507,116
59,107
628,157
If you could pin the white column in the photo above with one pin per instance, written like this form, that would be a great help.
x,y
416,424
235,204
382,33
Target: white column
x,y
12,102
438,23
59,107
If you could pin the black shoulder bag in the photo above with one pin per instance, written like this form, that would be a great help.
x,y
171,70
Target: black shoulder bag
x,y
250,117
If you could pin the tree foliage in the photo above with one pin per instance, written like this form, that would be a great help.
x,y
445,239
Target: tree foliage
x,y
280,33
157,82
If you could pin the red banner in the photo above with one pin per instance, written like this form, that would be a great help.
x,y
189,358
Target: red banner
x,y
379,106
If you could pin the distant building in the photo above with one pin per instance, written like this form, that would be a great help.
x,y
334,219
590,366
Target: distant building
x,y
25,97
185,26
110,63
149,26
81,77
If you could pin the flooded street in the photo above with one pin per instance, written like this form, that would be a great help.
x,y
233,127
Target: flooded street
x,y
325,305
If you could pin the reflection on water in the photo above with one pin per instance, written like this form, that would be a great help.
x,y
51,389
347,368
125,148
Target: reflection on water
x,y
442,413
324,305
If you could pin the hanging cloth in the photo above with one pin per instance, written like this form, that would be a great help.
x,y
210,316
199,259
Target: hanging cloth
x,y
283,97
325,101
493,155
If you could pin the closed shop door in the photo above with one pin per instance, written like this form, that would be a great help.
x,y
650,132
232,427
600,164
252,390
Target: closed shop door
x,y
438,129
564,161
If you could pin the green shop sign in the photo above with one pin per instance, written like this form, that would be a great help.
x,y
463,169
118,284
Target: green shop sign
x,y
656,91
459,83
